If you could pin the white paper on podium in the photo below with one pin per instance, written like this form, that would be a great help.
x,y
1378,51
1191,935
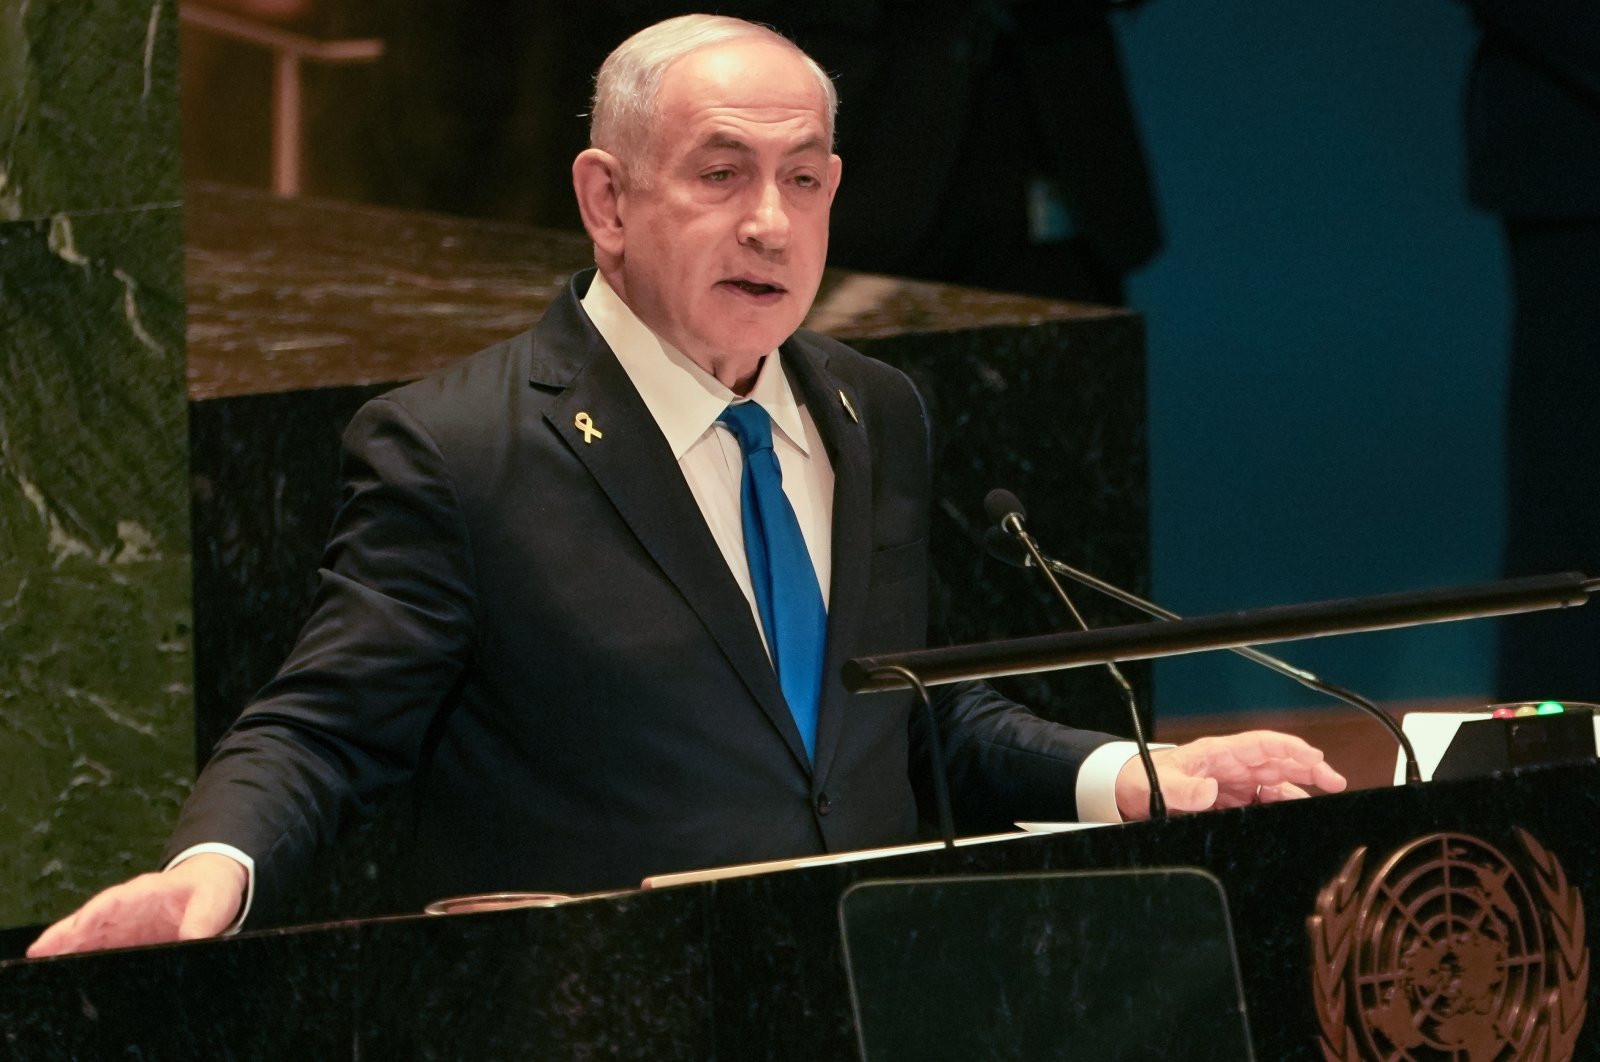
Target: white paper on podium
x,y
689,877
1432,732
1060,827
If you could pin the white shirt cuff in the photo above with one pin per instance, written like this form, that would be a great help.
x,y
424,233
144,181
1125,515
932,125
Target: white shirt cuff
x,y
1097,780
214,848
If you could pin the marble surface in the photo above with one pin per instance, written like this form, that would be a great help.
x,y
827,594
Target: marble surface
x,y
287,295
294,295
95,658
88,106
755,967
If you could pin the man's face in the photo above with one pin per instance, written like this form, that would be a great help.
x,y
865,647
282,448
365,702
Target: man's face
x,y
725,237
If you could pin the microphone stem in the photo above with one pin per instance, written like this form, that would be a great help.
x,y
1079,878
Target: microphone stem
x,y
941,782
1158,803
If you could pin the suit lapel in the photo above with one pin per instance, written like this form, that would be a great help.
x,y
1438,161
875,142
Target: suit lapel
x,y
826,398
631,462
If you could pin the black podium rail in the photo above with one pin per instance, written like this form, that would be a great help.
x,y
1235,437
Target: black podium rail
x,y
1283,623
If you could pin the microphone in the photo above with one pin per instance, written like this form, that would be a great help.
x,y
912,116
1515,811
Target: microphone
x,y
1003,509
1003,547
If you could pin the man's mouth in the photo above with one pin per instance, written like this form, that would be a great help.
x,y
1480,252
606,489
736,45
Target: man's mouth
x,y
753,287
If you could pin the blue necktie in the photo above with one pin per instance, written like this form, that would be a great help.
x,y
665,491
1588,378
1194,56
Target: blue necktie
x,y
787,595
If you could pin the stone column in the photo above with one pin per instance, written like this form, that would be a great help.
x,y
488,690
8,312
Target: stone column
x,y
96,701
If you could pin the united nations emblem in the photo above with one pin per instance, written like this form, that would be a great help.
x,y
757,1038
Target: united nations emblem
x,y
1450,952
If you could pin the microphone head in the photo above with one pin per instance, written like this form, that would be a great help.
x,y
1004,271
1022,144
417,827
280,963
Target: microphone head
x,y
1001,503
1006,548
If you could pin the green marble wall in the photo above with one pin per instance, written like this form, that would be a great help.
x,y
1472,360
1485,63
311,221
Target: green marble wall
x,y
95,660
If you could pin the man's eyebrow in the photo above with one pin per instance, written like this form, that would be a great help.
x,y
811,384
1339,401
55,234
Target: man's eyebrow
x,y
724,142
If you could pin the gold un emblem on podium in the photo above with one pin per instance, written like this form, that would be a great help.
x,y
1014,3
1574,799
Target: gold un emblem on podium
x,y
1450,952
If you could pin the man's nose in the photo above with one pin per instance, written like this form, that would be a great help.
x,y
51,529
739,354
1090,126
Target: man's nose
x,y
766,225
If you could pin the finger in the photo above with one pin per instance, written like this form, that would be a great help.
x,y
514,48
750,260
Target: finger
x,y
54,940
1273,794
1235,758
1272,758
123,917
1233,799
1236,781
83,930
80,931
1254,747
143,910
1325,778
1275,772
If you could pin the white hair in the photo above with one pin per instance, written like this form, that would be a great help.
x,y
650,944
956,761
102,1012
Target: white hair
x,y
628,86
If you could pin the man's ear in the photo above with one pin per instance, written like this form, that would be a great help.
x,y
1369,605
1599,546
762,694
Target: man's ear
x,y
835,171
597,182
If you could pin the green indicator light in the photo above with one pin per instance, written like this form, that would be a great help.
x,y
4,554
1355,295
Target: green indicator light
x,y
1552,708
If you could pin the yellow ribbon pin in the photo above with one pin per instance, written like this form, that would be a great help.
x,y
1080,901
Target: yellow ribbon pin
x,y
848,408
585,423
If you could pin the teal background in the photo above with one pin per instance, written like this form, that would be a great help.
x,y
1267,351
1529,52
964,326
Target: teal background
x,y
96,706
1327,330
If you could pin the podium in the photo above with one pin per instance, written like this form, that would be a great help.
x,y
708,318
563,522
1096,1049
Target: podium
x,y
1432,921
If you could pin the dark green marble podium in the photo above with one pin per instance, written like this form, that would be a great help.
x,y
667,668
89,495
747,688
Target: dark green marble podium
x,y
753,967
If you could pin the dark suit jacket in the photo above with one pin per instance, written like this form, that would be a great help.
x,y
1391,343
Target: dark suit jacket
x,y
934,94
1533,109
539,635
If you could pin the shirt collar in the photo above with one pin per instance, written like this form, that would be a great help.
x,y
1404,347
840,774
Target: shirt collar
x,y
683,398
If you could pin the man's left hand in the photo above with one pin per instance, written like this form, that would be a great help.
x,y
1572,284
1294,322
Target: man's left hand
x,y
1255,767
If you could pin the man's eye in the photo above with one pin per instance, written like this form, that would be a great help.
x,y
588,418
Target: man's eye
x,y
719,176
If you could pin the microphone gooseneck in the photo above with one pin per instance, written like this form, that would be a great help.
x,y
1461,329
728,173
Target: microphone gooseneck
x,y
1004,509
941,780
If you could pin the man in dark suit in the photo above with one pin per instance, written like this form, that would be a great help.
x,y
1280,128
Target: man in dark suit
x,y
541,609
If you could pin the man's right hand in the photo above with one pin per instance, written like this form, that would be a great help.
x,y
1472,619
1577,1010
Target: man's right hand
x,y
200,897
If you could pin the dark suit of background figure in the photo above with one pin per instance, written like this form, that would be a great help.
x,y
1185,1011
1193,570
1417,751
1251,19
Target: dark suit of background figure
x,y
1533,147
956,116
949,112
539,636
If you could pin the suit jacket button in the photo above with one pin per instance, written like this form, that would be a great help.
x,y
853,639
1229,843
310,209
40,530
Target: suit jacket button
x,y
824,805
